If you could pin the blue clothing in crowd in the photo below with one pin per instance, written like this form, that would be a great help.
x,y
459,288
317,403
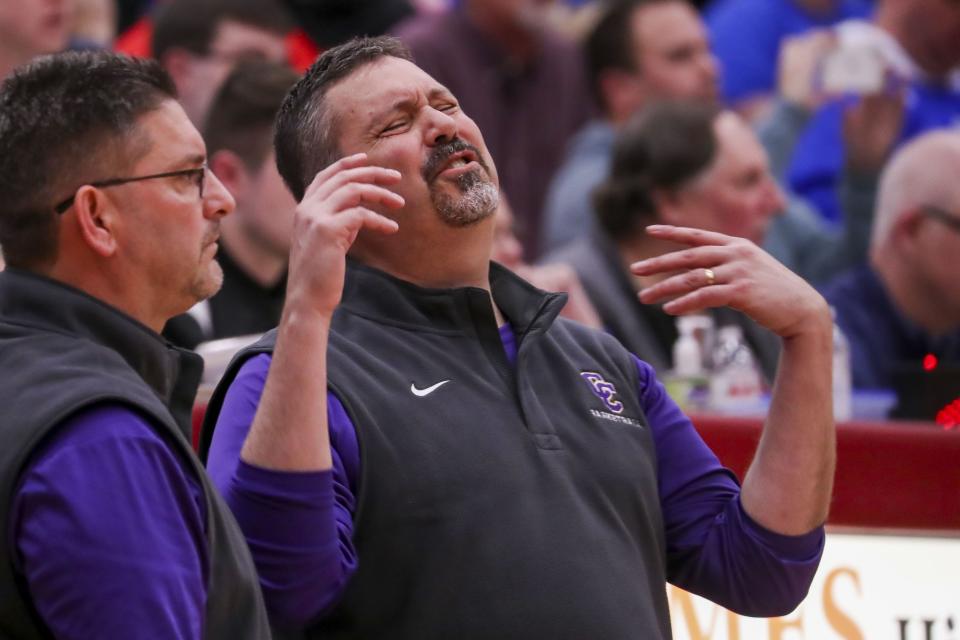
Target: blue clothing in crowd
x,y
880,337
746,37
818,159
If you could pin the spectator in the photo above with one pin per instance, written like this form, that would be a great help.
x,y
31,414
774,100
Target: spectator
x,y
747,36
639,52
199,41
675,62
800,238
497,438
683,164
906,303
916,46
522,83
255,240
29,28
109,223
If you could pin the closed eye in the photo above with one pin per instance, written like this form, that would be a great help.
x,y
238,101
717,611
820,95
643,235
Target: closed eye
x,y
394,127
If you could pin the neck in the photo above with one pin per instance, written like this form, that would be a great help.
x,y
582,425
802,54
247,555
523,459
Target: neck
x,y
108,289
449,259
912,297
251,253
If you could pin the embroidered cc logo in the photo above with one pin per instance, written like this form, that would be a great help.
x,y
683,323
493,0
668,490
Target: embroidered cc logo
x,y
603,390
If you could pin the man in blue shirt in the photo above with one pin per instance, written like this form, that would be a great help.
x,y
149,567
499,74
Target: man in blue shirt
x,y
918,45
470,465
905,305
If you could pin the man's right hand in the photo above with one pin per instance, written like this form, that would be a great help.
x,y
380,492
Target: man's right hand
x,y
333,211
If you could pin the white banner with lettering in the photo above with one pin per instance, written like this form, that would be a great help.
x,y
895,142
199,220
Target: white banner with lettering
x,y
868,587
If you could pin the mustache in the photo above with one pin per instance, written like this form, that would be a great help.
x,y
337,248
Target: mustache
x,y
441,154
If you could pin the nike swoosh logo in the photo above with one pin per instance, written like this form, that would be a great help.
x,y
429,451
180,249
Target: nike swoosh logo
x,y
425,392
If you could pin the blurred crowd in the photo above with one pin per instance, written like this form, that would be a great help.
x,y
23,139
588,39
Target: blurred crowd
x,y
822,130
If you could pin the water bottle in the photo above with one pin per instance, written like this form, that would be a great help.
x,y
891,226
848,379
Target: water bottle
x,y
736,385
842,380
687,382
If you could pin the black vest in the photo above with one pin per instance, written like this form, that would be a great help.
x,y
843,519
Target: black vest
x,y
62,350
510,502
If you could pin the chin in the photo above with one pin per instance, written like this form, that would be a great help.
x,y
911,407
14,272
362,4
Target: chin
x,y
209,283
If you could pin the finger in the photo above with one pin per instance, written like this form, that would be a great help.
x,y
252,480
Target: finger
x,y
360,217
354,194
348,162
367,174
684,259
682,284
703,298
688,235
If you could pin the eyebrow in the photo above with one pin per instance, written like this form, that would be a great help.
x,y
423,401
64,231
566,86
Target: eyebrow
x,y
407,103
193,159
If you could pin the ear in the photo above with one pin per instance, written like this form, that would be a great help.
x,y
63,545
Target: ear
x,y
97,219
231,170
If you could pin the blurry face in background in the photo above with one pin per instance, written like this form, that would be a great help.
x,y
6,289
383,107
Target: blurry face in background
x,y
736,195
672,53
198,77
33,27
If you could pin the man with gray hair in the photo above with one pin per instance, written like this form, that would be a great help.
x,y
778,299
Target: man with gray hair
x,y
905,305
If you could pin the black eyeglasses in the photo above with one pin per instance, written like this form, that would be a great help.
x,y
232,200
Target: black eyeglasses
x,y
198,173
943,216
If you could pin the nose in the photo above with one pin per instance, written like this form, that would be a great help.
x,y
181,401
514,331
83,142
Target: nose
x,y
217,201
441,127
774,200
710,68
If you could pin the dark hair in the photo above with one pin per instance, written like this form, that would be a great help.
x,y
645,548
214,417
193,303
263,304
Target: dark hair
x,y
305,138
662,148
66,119
192,24
243,112
609,45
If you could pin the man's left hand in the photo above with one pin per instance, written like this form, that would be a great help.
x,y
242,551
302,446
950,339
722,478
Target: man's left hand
x,y
719,270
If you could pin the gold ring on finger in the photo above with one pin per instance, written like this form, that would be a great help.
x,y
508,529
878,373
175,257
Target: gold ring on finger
x,y
711,276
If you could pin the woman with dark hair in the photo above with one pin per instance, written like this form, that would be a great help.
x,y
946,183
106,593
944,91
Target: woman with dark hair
x,y
686,164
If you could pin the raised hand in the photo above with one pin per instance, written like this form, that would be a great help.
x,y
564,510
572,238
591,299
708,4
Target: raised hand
x,y
719,270
334,209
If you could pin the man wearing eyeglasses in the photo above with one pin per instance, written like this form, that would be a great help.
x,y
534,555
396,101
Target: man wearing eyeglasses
x,y
905,305
109,224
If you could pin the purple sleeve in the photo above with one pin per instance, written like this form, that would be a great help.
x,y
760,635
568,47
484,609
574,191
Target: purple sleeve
x,y
301,575
109,531
714,548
